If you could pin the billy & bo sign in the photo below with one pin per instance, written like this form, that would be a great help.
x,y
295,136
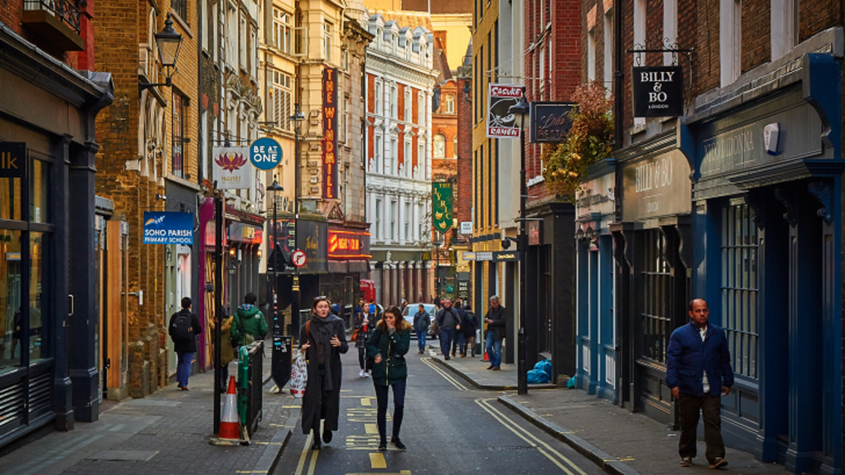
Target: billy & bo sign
x,y
658,91
501,124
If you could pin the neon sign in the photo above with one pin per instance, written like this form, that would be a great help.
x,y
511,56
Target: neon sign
x,y
330,134
349,244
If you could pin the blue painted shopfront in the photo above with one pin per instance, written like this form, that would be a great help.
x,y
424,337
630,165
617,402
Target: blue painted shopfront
x,y
767,220
596,321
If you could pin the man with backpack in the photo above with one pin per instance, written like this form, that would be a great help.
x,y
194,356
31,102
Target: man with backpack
x,y
183,329
249,323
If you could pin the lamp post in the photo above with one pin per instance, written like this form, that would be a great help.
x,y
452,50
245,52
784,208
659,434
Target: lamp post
x,y
437,244
521,110
297,119
273,191
168,43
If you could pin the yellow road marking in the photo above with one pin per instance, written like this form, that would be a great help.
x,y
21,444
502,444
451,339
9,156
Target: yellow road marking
x,y
450,379
316,453
365,401
276,425
377,460
274,389
291,407
371,429
304,455
528,437
403,472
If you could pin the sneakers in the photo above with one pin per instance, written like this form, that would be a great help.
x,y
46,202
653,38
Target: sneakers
x,y
367,374
686,462
361,374
719,462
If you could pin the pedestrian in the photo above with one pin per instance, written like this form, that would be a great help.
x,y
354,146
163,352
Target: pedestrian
x,y
227,352
448,321
422,320
698,369
323,340
388,345
459,343
468,326
496,320
183,329
364,324
403,306
437,302
249,323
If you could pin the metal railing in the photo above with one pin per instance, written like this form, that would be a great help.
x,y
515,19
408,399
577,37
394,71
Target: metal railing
x,y
65,10
250,385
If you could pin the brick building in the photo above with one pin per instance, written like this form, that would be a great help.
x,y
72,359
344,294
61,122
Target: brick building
x,y
49,217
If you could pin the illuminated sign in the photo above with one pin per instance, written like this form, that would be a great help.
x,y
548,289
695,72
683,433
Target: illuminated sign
x,y
330,134
345,244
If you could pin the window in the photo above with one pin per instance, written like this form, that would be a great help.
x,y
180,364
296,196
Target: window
x,y
282,95
394,103
421,112
608,50
784,27
393,166
409,104
281,30
656,275
242,50
421,223
440,146
204,24
179,154
730,39
327,41
394,41
408,159
379,219
377,154
670,27
591,57
253,52
180,7
345,114
639,39
394,230
449,104
407,236
345,64
421,161
378,98
739,287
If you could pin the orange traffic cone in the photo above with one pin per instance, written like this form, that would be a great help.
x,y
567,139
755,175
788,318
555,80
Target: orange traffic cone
x,y
485,357
229,421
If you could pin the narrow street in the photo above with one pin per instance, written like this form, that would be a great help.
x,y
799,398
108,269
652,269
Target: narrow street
x,y
449,427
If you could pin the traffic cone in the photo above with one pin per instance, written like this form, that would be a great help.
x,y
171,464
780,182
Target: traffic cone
x,y
229,421
485,356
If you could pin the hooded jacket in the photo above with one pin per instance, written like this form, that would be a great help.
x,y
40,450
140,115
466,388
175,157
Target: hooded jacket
x,y
248,320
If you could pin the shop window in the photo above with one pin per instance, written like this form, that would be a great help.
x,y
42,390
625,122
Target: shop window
x,y
739,287
36,294
10,198
40,185
11,318
656,324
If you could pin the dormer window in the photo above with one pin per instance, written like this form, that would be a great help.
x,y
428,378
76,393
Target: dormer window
x,y
379,37
394,42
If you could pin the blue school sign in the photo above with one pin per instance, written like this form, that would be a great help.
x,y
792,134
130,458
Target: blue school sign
x,y
168,227
265,153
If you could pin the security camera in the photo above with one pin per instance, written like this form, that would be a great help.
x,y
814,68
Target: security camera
x,y
161,197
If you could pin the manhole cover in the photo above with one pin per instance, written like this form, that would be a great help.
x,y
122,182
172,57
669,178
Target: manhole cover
x,y
124,455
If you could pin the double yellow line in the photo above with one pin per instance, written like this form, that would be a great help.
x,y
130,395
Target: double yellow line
x,y
303,457
550,453
446,376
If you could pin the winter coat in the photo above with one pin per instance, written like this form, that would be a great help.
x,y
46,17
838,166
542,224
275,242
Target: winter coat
x,y
422,320
468,323
393,346
186,346
361,339
499,325
227,353
248,320
322,393
448,319
687,358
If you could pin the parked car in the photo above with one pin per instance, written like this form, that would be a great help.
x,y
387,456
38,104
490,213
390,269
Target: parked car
x,y
412,310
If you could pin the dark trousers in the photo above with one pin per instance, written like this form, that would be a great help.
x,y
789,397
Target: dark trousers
x,y
689,408
398,407
362,358
446,337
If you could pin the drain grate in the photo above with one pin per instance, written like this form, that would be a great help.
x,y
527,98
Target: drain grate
x,y
510,448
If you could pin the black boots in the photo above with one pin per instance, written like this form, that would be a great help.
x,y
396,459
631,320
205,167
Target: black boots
x,y
397,443
316,444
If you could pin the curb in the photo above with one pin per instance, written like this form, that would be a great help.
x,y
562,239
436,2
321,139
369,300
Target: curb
x,y
490,387
604,460
268,462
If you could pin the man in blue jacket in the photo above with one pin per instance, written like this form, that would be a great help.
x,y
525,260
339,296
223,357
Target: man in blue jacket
x,y
698,369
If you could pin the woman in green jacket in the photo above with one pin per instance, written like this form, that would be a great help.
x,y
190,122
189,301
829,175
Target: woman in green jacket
x,y
388,345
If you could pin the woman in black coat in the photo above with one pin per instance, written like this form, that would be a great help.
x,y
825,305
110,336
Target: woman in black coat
x,y
323,339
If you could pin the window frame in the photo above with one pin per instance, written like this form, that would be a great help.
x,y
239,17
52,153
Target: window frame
x,y
178,111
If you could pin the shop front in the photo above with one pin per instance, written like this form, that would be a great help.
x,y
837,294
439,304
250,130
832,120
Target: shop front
x,y
653,270
595,283
242,258
767,253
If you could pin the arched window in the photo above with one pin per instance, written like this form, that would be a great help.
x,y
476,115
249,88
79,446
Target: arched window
x,y
440,146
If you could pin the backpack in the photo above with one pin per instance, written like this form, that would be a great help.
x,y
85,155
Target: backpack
x,y
180,327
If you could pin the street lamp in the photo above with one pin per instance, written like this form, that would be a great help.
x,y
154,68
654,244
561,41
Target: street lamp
x,y
297,119
272,191
520,110
168,43
437,272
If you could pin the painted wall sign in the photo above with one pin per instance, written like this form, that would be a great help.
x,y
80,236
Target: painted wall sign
x,y
500,123
656,186
347,244
550,121
441,206
658,91
265,153
330,174
596,196
230,168
12,159
168,227
535,233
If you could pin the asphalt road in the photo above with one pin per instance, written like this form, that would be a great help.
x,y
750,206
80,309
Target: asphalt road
x,y
449,428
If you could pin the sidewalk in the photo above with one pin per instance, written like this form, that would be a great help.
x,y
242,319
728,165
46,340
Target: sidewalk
x,y
615,439
164,433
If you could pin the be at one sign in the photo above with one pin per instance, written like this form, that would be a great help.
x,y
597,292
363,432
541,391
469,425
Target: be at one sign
x,y
265,153
658,91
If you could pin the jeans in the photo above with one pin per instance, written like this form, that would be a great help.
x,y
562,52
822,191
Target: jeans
x,y
459,343
183,368
421,340
446,337
689,408
494,349
398,407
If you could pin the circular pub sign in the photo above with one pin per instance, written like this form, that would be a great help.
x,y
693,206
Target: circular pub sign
x,y
298,258
265,153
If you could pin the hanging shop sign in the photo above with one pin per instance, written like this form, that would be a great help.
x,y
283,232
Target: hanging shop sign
x,y
505,256
12,159
245,233
311,239
168,227
501,124
658,91
550,121
596,196
346,244
535,233
656,186
442,206
330,173
230,168
265,153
